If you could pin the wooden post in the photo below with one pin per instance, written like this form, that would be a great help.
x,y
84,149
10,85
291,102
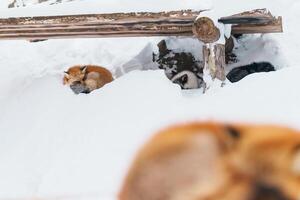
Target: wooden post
x,y
214,58
213,54
205,30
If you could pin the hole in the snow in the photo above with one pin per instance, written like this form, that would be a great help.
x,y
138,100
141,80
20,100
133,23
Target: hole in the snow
x,y
245,55
180,67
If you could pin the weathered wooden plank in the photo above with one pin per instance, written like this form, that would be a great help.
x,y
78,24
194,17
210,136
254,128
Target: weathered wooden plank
x,y
108,28
62,25
184,29
89,35
102,18
255,21
96,34
144,24
273,27
257,16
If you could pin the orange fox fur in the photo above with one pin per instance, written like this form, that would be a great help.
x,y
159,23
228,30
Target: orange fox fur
x,y
211,161
91,76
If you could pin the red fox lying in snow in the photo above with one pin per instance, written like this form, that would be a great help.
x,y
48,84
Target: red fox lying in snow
x,y
90,77
210,161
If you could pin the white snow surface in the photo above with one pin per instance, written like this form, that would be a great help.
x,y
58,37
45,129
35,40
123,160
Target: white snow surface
x,y
58,145
98,6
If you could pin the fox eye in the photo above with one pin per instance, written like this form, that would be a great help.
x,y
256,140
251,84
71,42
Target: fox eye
x,y
232,136
233,132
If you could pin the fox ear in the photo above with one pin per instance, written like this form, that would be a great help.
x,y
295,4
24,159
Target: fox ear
x,y
83,69
296,161
66,73
184,79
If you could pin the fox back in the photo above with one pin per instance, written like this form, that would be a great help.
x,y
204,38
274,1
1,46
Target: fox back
x,y
90,76
214,161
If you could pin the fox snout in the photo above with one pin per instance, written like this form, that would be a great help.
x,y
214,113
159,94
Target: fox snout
x,y
78,88
76,83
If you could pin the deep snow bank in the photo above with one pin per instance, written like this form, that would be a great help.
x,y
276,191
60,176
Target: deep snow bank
x,y
54,143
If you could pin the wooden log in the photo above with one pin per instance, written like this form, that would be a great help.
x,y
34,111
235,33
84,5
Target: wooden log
x,y
109,18
214,60
205,30
144,24
213,54
255,21
230,57
89,34
257,16
229,44
273,27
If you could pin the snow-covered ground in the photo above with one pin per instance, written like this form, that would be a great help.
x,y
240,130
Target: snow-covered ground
x,y
57,145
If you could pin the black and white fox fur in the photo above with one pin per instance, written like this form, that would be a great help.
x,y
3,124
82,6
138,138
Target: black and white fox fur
x,y
187,80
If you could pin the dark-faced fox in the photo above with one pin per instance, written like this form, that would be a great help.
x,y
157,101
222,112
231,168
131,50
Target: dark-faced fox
x,y
211,161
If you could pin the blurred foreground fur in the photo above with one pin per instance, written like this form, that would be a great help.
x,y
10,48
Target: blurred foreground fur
x,y
217,162
86,78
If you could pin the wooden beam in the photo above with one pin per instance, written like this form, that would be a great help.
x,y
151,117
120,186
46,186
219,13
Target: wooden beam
x,y
273,27
257,16
109,18
255,21
144,24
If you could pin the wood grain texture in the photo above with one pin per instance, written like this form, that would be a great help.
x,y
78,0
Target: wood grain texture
x,y
216,62
273,27
205,30
142,24
257,16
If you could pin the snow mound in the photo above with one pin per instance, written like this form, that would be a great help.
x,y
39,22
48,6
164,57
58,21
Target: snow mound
x,y
54,144
66,144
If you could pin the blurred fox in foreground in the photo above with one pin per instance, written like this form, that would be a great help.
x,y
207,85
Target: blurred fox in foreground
x,y
210,161
84,79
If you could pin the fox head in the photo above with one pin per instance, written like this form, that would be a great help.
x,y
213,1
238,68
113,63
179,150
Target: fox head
x,y
74,75
271,157
186,79
214,161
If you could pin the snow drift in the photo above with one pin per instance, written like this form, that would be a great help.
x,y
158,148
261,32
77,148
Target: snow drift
x,y
55,144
